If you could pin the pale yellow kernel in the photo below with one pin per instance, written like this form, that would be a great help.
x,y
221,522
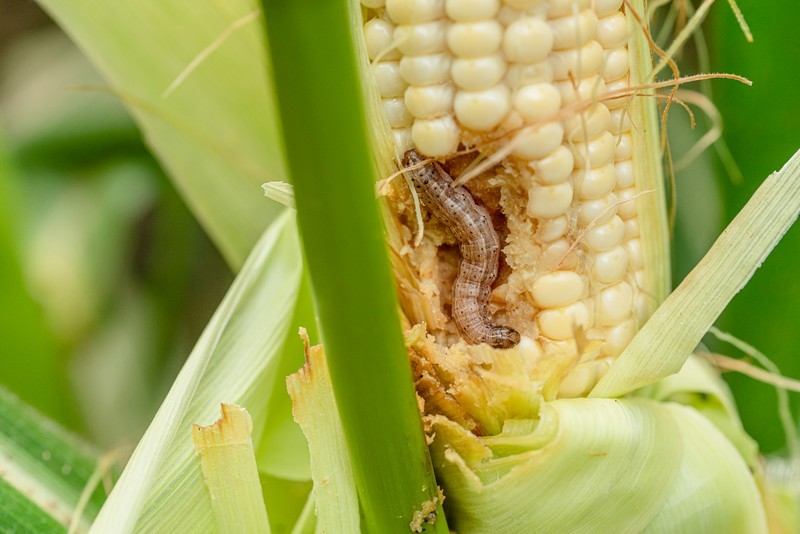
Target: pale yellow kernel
x,y
563,323
549,201
429,101
597,152
618,337
527,40
616,63
627,205
559,8
638,277
373,4
552,229
577,63
610,266
414,11
478,73
482,110
631,228
378,35
420,39
620,121
387,76
507,14
402,139
537,101
472,10
426,70
475,39
573,31
519,74
605,236
522,4
597,211
554,168
641,305
624,148
397,112
557,289
588,124
558,255
612,30
588,89
512,121
634,248
616,304
595,183
436,137
606,7
618,85
539,141
625,176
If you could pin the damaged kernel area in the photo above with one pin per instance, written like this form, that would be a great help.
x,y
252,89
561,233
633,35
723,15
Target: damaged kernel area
x,y
521,82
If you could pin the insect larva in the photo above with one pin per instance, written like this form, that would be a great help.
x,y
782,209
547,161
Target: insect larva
x,y
479,246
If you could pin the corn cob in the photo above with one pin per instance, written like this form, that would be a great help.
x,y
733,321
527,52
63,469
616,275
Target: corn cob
x,y
525,79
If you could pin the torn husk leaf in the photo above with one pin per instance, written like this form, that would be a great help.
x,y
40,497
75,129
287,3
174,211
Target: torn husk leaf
x,y
230,471
314,409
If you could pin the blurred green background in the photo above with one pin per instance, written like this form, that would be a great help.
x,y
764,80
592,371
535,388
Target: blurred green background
x,y
106,279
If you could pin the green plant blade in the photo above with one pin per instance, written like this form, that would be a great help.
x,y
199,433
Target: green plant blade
x,y
43,467
319,90
204,130
162,488
668,338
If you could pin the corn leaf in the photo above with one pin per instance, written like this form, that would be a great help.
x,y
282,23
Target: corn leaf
x,y
665,342
46,474
193,94
234,361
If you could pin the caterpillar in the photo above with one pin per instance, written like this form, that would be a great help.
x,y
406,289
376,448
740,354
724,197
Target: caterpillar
x,y
479,246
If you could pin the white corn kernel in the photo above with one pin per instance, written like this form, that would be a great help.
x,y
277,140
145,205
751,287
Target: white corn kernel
x,y
597,211
573,31
536,102
620,85
554,168
522,4
402,139
475,39
482,110
378,35
595,183
519,74
478,73
610,266
588,124
397,113
577,63
627,203
634,248
606,7
414,11
616,304
624,149
562,323
539,141
620,121
618,337
557,289
552,229
596,153
624,174
425,70
605,236
390,82
612,31
616,63
430,101
558,255
560,8
631,228
589,89
549,201
421,39
471,10
527,40
436,137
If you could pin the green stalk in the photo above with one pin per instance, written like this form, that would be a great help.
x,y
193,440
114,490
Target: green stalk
x,y
329,155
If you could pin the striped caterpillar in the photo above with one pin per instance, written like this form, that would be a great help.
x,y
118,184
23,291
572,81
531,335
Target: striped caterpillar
x,y
479,246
